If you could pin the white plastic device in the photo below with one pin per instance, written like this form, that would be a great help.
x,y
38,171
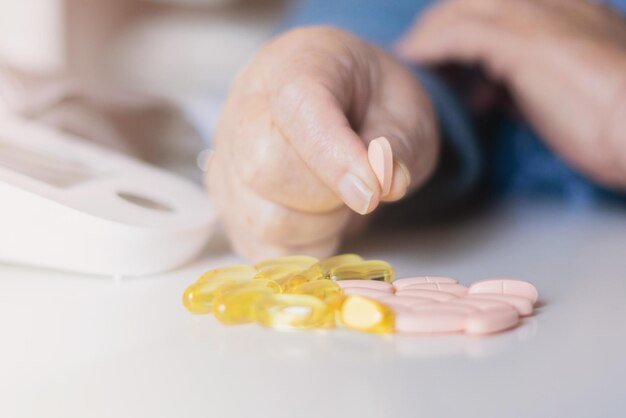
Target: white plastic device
x,y
70,205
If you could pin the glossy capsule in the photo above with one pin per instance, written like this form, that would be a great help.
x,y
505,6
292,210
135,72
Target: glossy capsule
x,y
292,282
315,272
282,275
236,307
198,298
328,264
251,285
364,314
302,262
326,290
288,311
238,273
364,270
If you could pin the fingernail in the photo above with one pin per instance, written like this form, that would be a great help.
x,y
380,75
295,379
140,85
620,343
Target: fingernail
x,y
355,193
203,159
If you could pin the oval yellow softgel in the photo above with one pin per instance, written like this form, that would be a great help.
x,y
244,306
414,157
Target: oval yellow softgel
x,y
318,288
365,314
289,311
364,270
281,275
239,273
251,285
237,306
198,298
331,263
303,262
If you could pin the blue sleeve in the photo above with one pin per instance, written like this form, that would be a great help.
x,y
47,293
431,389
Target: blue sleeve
x,y
382,23
521,165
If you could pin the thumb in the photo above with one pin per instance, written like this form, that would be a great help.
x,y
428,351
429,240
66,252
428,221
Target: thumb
x,y
315,123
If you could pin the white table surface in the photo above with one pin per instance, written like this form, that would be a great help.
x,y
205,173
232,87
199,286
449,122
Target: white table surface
x,y
79,346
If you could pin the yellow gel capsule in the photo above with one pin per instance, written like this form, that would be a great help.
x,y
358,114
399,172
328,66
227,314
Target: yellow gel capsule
x,y
365,270
291,282
314,272
302,262
236,307
336,300
198,298
333,262
287,311
238,273
319,288
325,289
251,285
281,275
278,273
364,314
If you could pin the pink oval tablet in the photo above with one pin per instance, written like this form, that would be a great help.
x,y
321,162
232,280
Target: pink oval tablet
x,y
401,283
367,284
506,287
429,322
408,301
363,291
454,288
381,160
396,307
494,320
480,304
523,306
445,307
436,295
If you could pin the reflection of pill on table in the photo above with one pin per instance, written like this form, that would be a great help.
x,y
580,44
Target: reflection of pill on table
x,y
437,295
490,321
523,306
506,287
368,284
454,288
402,283
362,291
381,160
437,321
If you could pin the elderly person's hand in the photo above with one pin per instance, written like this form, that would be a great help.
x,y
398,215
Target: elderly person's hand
x,y
564,62
290,166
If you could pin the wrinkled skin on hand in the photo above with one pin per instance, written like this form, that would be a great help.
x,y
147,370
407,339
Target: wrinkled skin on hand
x,y
289,172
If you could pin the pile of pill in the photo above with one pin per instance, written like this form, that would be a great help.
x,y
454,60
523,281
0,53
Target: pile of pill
x,y
301,292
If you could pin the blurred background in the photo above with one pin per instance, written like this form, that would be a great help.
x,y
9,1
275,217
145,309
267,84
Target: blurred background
x,y
81,65
173,47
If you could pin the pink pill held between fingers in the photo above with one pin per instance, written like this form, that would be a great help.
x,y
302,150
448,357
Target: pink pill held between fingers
x,y
366,284
381,160
402,283
506,287
491,321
